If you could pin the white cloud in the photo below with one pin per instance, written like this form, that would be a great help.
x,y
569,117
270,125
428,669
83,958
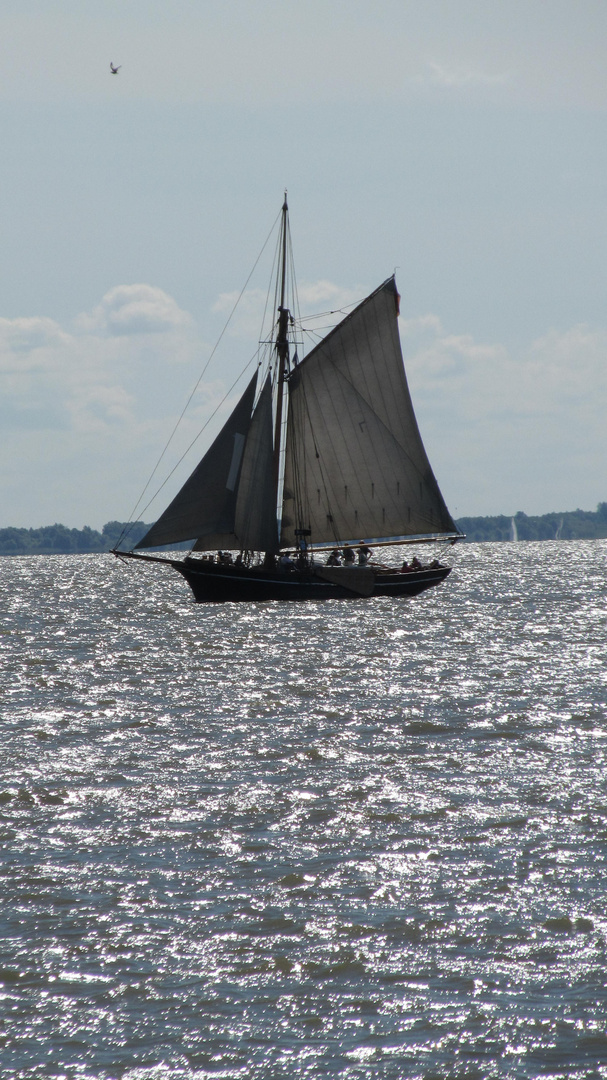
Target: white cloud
x,y
508,431
85,409
326,294
27,335
82,373
135,309
448,76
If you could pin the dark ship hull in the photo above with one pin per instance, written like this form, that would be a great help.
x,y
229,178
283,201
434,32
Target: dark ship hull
x,y
214,583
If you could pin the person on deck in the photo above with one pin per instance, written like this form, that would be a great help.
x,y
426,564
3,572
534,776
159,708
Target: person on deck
x,y
415,563
286,562
363,554
333,559
348,555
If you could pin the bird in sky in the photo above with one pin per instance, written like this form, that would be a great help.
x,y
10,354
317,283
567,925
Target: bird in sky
x,y
114,70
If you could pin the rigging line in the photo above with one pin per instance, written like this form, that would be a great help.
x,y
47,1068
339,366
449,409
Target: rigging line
x,y
316,329
312,334
200,378
295,313
336,311
291,291
196,437
267,302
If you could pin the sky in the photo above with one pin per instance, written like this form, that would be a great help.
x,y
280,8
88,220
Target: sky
x,y
461,144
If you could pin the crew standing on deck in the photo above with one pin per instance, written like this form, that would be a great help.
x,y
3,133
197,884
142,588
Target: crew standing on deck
x,y
348,555
363,554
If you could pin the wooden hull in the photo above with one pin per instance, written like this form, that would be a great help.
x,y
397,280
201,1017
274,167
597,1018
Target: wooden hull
x,y
213,583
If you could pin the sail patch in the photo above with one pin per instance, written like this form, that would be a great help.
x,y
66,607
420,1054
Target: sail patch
x,y
239,441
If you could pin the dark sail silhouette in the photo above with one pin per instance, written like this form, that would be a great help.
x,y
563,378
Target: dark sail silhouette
x,y
355,462
228,501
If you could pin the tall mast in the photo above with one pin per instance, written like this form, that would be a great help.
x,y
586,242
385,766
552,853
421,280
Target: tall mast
x,y
282,345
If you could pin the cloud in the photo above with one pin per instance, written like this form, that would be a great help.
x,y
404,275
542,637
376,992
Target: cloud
x,y
24,338
315,294
87,408
444,75
511,430
135,309
82,374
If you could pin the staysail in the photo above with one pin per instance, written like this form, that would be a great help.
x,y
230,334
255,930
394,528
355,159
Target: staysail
x,y
355,464
212,503
255,527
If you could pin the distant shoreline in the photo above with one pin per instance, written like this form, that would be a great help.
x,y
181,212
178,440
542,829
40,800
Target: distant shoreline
x,y
566,525
59,540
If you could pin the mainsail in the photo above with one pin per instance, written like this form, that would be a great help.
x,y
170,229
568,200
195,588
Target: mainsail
x,y
223,503
355,464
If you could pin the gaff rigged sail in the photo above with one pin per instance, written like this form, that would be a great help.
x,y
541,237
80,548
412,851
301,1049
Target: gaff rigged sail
x,y
355,463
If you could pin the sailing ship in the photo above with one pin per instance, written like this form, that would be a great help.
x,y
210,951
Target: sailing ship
x,y
321,454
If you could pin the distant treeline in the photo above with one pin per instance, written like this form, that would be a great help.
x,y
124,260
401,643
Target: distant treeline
x,y
59,540
570,525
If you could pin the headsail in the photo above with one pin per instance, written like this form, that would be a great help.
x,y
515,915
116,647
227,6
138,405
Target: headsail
x,y
205,507
255,526
355,463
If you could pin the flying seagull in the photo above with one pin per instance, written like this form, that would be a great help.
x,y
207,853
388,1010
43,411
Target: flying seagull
x,y
114,70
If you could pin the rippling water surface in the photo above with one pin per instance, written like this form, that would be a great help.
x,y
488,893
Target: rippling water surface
x,y
358,839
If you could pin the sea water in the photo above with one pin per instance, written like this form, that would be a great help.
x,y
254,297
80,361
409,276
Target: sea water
x,y
355,839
